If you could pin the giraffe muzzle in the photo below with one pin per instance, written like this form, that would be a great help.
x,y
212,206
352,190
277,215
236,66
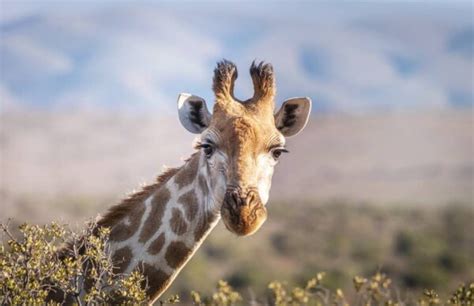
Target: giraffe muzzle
x,y
243,211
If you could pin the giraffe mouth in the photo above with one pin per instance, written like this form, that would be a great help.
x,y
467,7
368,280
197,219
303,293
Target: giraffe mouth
x,y
243,215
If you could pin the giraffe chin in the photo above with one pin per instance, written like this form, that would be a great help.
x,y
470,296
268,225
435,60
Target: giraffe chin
x,y
245,220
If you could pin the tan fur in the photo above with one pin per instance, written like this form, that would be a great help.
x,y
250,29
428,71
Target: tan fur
x,y
245,219
246,129
263,80
225,75
263,84
242,139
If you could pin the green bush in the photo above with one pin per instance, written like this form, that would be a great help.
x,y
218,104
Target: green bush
x,y
376,290
40,265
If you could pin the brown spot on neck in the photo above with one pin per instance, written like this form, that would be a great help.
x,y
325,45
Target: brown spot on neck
x,y
123,231
190,203
177,223
156,281
153,221
177,253
187,174
121,259
204,224
157,244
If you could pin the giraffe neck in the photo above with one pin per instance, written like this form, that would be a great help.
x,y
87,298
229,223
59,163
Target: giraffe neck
x,y
162,231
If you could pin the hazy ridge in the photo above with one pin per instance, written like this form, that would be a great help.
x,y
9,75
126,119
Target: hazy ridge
x,y
424,157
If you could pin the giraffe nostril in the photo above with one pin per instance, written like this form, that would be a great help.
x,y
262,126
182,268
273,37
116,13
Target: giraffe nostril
x,y
250,198
253,196
236,198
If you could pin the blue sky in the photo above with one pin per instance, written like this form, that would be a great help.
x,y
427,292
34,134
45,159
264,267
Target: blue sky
x,y
347,56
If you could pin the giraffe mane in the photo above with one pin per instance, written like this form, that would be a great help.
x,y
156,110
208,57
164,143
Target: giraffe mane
x,y
119,211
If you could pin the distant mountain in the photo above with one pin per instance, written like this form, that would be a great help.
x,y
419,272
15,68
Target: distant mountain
x,y
82,162
349,57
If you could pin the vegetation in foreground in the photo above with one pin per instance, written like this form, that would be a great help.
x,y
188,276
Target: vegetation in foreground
x,y
419,247
30,267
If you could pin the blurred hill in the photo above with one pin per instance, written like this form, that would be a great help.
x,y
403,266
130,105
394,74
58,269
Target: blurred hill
x,y
61,164
392,157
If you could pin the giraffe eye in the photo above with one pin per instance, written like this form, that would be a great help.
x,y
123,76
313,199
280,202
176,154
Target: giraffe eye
x,y
276,153
207,149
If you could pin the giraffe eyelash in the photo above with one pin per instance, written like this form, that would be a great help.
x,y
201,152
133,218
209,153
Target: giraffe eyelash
x,y
201,145
280,147
198,145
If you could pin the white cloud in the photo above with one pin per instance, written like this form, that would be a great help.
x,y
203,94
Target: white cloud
x,y
40,57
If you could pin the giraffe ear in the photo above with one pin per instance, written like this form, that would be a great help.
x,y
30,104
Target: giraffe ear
x,y
193,113
293,116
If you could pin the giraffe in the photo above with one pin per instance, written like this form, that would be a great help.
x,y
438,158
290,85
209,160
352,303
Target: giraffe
x,y
158,229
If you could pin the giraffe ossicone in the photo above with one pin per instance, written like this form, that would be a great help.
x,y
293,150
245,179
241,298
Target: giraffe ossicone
x,y
158,229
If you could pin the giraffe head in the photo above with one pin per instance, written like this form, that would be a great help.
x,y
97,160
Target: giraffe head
x,y
241,142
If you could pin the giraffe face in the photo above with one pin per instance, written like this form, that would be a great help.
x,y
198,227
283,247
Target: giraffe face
x,y
241,152
241,142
